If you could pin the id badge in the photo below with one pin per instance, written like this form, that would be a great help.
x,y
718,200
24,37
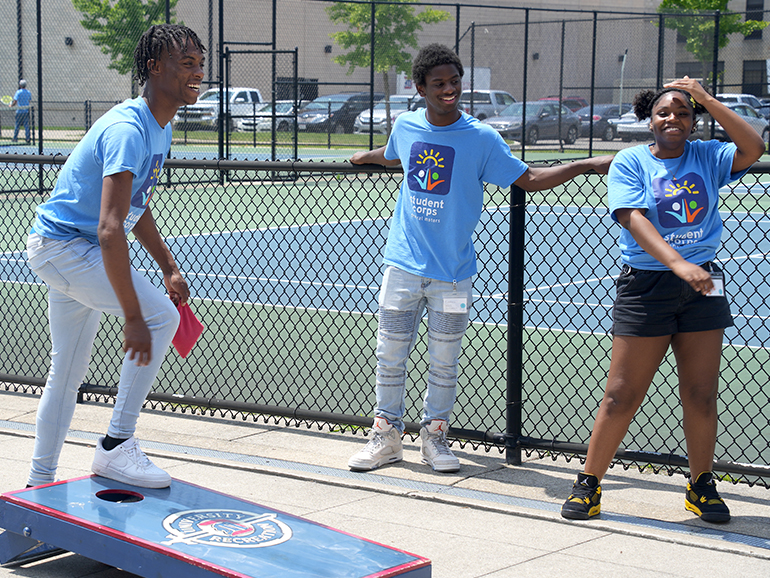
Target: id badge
x,y
454,303
718,278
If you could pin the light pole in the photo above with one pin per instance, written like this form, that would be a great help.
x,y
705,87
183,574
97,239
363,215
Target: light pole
x,y
622,72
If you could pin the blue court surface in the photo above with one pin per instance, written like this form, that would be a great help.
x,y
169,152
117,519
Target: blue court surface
x,y
571,258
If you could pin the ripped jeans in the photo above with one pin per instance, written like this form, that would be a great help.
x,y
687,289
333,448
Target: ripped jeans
x,y
403,299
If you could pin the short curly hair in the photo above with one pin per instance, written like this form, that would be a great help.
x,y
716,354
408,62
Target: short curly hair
x,y
431,56
161,37
646,99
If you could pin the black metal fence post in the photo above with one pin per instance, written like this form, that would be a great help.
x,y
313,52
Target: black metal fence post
x,y
515,326
593,90
715,70
524,88
371,78
715,67
661,39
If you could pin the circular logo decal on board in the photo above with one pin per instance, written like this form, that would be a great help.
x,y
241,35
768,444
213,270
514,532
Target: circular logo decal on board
x,y
226,528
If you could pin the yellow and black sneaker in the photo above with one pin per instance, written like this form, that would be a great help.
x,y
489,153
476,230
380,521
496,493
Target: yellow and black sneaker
x,y
585,500
703,499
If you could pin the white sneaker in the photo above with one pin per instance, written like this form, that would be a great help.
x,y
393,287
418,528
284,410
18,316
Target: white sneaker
x,y
384,447
435,450
127,463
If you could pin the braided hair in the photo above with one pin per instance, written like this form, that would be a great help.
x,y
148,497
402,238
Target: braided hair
x,y
161,37
646,99
431,56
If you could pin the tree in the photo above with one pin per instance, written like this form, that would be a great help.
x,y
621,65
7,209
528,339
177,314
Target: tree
x,y
117,28
395,31
696,25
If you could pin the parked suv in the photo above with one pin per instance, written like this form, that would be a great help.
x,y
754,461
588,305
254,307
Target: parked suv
x,y
749,99
399,104
486,103
334,112
241,102
574,103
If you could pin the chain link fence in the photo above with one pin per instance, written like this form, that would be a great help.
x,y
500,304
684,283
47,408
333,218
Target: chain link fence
x,y
284,259
599,56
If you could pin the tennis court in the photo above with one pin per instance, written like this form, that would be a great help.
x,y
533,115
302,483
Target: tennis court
x,y
285,275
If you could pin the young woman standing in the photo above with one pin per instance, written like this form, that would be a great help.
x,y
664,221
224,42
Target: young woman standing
x,y
665,195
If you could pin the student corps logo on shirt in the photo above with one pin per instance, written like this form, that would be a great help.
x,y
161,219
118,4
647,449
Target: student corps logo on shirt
x,y
143,195
226,528
430,168
681,202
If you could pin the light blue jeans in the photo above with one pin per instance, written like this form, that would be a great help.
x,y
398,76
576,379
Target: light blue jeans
x,y
78,293
403,300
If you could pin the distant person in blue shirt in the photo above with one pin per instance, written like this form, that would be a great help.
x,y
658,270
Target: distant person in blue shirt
x,y
670,293
430,261
78,246
21,100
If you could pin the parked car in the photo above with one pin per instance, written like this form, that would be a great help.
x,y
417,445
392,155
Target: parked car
x,y
602,114
399,104
542,122
574,103
751,116
262,119
486,103
628,128
761,107
205,113
334,112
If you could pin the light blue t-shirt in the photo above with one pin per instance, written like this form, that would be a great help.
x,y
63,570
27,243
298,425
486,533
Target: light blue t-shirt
x,y
22,97
126,138
680,195
442,194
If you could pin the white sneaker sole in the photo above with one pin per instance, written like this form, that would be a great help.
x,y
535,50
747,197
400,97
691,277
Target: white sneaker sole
x,y
120,477
445,468
368,466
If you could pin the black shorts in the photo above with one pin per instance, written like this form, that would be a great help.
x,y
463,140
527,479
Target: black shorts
x,y
656,303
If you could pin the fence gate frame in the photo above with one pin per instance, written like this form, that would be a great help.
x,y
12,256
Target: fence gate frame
x,y
224,105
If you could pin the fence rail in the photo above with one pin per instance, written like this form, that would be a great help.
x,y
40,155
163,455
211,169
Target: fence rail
x,y
283,260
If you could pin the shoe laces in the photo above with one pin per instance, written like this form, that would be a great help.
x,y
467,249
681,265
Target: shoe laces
x,y
582,490
439,444
707,490
375,443
138,456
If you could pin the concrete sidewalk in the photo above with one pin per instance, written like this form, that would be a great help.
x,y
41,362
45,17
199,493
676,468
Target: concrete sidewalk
x,y
489,520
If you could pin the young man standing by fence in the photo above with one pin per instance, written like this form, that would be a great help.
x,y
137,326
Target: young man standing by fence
x,y
430,260
78,246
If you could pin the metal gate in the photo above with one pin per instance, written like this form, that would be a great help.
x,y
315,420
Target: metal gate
x,y
277,71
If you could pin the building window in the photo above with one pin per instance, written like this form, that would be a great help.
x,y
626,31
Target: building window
x,y
755,10
695,70
755,77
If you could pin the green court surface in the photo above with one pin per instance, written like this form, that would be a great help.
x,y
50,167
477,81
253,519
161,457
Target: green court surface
x,y
316,358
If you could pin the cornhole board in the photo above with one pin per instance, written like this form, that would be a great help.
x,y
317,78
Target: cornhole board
x,y
187,530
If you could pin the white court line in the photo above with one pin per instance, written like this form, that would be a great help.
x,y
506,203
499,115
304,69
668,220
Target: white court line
x,y
265,279
276,228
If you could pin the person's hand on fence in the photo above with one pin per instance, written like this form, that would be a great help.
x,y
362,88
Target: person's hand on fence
x,y
376,157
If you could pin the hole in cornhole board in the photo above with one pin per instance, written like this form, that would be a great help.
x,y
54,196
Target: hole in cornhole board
x,y
119,496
